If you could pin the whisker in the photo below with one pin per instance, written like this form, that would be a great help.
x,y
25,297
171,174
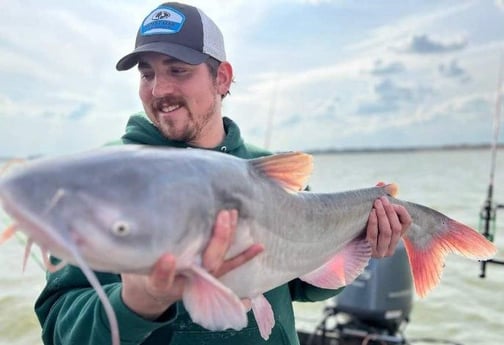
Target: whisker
x,y
54,200
95,283
48,264
27,252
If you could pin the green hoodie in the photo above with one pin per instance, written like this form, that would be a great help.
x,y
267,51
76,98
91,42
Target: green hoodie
x,y
71,314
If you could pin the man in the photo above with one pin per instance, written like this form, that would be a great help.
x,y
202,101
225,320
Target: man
x,y
184,76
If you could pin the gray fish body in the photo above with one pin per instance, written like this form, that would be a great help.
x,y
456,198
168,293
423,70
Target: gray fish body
x,y
168,201
119,209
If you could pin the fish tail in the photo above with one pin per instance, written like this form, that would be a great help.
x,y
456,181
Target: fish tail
x,y
427,260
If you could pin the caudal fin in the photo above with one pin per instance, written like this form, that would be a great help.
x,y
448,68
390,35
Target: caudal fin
x,y
427,261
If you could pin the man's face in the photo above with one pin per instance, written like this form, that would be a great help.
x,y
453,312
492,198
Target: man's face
x,y
182,100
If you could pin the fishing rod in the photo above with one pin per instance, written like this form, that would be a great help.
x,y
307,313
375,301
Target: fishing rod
x,y
488,212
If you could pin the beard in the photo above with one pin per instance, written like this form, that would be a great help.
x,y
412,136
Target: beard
x,y
188,128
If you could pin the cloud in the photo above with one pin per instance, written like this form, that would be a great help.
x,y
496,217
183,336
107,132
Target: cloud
x,y
406,26
61,75
316,2
390,96
291,121
380,106
81,111
474,108
461,109
381,68
423,44
453,71
5,104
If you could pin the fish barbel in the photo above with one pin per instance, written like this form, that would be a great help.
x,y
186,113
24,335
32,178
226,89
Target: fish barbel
x,y
136,203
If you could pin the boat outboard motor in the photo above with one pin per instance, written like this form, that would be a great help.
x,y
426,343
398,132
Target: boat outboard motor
x,y
382,296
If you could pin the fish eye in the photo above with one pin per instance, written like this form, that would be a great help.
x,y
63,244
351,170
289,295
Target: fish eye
x,y
120,228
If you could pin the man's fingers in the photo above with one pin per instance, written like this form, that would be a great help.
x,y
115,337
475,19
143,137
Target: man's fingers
x,y
385,232
404,218
372,230
222,237
395,226
386,224
239,259
163,273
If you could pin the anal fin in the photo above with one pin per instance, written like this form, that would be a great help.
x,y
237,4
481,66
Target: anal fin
x,y
263,315
343,268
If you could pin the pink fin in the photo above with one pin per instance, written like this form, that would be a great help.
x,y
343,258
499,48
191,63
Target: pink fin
x,y
8,233
427,262
263,315
291,170
210,303
48,264
27,251
342,269
392,189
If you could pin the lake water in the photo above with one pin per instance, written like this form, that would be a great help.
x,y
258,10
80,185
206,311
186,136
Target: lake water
x,y
463,308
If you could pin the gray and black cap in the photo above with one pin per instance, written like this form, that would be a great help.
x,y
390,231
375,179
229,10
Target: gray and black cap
x,y
180,31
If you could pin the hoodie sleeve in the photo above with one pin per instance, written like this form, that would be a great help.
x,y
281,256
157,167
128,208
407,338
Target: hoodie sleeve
x,y
70,311
304,292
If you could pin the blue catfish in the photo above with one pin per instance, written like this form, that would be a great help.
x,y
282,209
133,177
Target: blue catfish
x,y
135,203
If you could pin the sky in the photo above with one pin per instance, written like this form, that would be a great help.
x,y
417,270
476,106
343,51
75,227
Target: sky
x,y
308,74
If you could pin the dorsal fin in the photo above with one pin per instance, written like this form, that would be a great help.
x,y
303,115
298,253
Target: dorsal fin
x,y
291,170
392,189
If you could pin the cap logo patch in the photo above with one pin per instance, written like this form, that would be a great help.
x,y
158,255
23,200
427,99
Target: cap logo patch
x,y
163,20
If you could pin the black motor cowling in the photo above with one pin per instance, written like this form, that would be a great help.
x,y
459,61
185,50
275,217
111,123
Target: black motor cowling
x,y
382,296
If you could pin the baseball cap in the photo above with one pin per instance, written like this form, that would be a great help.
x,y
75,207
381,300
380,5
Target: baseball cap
x,y
180,31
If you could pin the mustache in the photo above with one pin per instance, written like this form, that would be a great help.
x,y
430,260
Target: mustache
x,y
167,100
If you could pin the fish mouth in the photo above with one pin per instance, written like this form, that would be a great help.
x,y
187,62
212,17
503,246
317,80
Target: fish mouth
x,y
70,244
35,228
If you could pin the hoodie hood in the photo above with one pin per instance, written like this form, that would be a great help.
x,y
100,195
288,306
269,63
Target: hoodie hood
x,y
139,130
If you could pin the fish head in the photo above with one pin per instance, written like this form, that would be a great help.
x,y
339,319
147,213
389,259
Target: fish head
x,y
103,208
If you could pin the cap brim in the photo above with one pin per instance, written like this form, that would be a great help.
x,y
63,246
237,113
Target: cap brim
x,y
187,55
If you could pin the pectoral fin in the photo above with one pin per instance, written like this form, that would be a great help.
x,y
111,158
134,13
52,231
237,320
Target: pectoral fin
x,y
210,303
343,268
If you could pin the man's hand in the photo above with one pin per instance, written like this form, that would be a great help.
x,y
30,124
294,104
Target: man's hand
x,y
149,296
386,225
223,234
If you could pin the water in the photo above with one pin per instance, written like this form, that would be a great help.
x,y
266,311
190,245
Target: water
x,y
463,308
